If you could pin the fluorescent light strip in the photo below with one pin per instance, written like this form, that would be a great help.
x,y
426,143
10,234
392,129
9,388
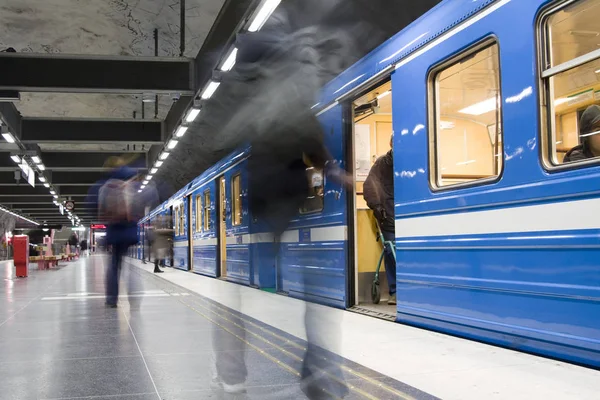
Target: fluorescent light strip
x,y
154,170
159,164
181,131
164,155
384,94
36,159
145,182
8,137
172,144
192,115
210,90
47,184
16,158
42,179
229,61
41,167
17,215
481,107
263,14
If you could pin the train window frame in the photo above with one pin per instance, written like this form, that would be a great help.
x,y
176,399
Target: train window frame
x,y
176,209
546,72
234,211
181,220
206,211
199,209
433,110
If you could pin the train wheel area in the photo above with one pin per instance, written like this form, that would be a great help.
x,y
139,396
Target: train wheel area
x,y
380,360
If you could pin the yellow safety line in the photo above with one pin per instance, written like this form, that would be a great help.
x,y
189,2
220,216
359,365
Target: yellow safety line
x,y
374,382
347,369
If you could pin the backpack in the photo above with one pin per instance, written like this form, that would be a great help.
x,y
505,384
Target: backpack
x,y
115,200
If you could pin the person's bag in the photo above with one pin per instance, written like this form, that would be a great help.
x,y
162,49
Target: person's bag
x,y
115,200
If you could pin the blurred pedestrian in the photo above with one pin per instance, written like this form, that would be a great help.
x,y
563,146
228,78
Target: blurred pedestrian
x,y
114,200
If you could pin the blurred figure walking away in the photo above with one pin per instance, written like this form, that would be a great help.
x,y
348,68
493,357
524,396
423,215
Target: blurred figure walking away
x,y
114,200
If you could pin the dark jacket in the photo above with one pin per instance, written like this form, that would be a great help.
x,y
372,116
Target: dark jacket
x,y
124,233
578,153
379,191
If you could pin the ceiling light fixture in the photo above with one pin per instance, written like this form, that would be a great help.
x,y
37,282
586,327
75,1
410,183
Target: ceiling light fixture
x,y
41,167
192,115
36,159
172,144
159,164
154,170
263,14
481,107
47,184
145,182
42,179
211,88
164,155
181,131
229,61
55,196
148,177
8,137
16,158
384,94
52,192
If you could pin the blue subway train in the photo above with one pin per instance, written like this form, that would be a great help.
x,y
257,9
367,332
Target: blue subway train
x,y
497,232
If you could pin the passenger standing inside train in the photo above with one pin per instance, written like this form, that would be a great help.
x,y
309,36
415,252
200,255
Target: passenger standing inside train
x,y
589,132
379,194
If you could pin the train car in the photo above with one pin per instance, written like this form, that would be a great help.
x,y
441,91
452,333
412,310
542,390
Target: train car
x,y
495,179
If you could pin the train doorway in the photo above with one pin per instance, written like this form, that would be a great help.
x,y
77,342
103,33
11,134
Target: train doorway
x,y
372,133
222,228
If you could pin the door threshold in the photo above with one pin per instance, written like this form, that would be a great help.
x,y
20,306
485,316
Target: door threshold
x,y
373,312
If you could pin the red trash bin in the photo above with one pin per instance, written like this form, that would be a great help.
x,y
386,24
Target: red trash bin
x,y
21,255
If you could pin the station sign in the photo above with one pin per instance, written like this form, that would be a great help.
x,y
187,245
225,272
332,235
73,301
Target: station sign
x,y
97,226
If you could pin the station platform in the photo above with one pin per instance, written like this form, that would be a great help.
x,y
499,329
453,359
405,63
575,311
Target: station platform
x,y
58,340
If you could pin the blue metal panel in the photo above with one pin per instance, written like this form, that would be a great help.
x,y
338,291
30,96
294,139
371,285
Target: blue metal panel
x,y
205,254
313,268
238,251
533,291
181,241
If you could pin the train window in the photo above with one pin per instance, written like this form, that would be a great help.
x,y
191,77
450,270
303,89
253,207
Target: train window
x,y
198,214
571,81
177,221
207,210
236,200
181,220
467,135
316,185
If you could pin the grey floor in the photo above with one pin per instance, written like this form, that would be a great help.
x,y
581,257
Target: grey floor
x,y
59,341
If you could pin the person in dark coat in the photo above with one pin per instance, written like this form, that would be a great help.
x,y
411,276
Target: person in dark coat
x,y
378,192
277,84
589,132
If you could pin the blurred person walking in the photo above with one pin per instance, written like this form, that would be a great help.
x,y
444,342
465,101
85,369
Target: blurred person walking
x,y
287,138
114,201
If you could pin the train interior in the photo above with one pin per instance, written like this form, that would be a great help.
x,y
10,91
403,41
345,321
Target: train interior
x,y
372,134
573,33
